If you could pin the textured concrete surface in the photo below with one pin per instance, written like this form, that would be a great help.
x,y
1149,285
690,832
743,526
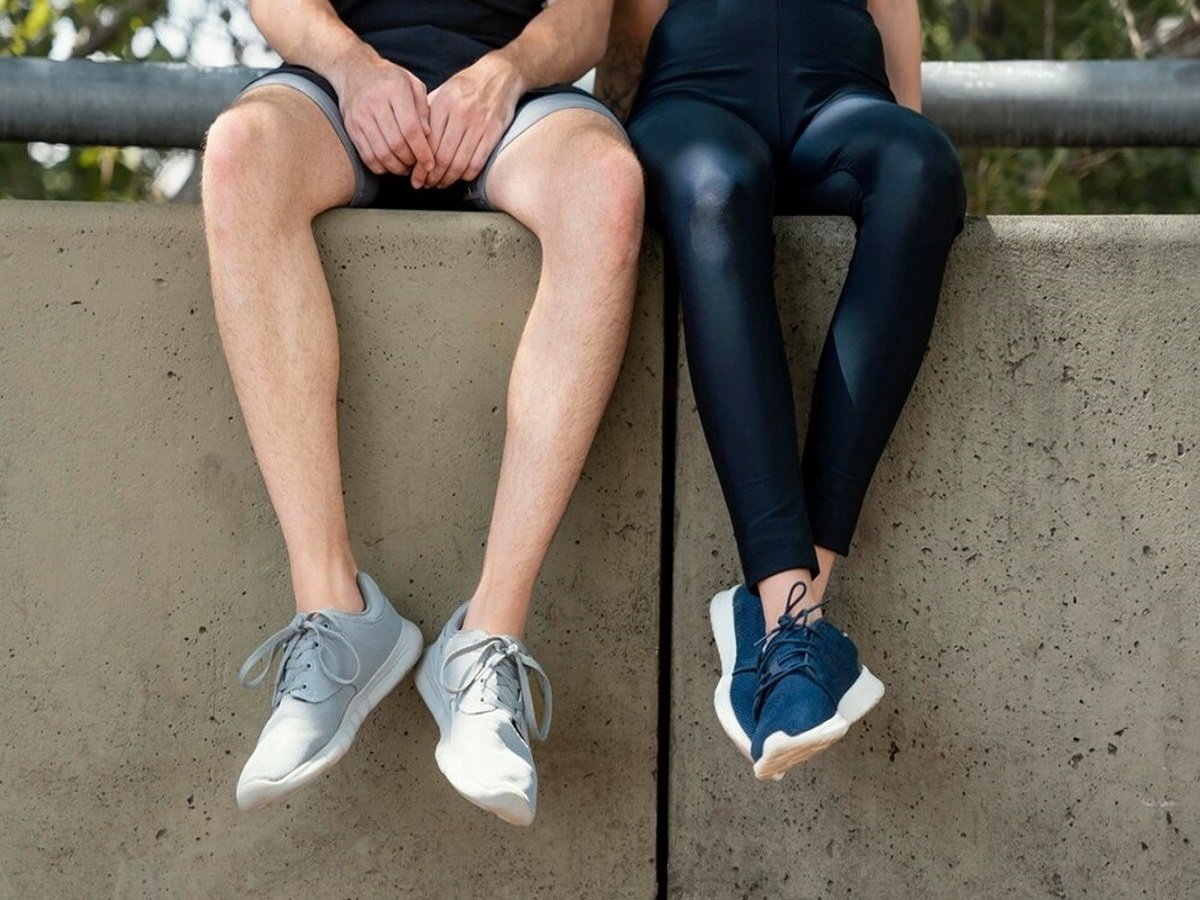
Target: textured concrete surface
x,y
1024,580
140,563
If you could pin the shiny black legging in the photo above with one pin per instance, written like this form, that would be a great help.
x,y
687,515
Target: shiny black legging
x,y
716,176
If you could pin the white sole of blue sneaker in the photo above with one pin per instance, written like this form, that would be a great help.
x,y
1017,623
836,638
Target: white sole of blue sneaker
x,y
720,614
258,793
782,751
510,807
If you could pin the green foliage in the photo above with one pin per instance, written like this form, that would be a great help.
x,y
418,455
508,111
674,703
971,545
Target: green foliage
x,y
1058,180
28,28
86,173
998,180
1071,181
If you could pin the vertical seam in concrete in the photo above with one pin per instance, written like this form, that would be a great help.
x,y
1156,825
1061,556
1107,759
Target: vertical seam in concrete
x,y
666,572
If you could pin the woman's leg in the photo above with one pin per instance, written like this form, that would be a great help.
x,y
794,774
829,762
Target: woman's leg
x,y
712,188
898,176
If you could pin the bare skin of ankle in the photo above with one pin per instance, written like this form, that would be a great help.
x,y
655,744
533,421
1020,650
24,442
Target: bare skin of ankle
x,y
774,589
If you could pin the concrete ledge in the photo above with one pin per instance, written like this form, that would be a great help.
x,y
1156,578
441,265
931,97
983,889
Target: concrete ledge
x,y
141,562
1024,580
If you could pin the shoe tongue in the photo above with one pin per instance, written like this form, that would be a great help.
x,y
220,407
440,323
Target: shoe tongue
x,y
302,652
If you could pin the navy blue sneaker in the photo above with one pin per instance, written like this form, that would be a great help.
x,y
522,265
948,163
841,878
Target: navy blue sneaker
x,y
738,627
811,689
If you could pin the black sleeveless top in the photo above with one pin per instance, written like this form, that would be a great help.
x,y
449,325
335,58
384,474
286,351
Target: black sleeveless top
x,y
433,39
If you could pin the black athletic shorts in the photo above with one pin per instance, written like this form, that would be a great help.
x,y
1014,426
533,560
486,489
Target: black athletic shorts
x,y
395,191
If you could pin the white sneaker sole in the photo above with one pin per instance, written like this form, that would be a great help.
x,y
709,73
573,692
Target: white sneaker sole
x,y
510,807
781,750
261,792
720,614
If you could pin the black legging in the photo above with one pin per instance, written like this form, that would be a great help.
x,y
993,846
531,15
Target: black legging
x,y
731,127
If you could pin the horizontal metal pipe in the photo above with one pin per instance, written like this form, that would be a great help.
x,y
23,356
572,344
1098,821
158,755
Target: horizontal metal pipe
x,y
1112,103
109,103
1010,104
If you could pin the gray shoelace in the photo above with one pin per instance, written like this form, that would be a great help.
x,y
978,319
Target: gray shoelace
x,y
499,656
298,645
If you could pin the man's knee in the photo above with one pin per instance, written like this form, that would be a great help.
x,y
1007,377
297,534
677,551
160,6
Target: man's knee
x,y
271,155
235,151
574,181
607,179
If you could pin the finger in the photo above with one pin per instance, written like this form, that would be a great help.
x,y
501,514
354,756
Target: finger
x,y
413,117
422,99
445,158
383,150
447,147
418,142
439,120
365,147
396,143
466,150
376,144
480,157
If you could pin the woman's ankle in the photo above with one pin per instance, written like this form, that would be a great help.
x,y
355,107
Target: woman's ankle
x,y
790,586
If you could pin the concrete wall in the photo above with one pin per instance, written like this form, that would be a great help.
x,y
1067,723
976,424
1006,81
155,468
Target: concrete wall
x,y
1023,579
140,563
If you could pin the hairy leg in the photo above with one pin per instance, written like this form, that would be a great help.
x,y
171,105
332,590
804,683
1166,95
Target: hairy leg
x,y
574,182
273,163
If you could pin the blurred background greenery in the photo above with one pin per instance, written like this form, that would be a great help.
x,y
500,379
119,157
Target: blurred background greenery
x,y
1052,180
1060,180
202,32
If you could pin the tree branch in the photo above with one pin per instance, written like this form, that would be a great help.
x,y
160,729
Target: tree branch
x,y
97,35
1135,36
1047,29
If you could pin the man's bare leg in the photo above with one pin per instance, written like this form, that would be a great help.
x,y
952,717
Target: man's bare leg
x,y
572,180
272,164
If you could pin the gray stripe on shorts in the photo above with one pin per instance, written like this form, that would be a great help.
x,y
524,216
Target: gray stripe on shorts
x,y
529,114
366,183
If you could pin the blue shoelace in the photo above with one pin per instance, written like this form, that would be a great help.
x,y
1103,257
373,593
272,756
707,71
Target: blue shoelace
x,y
788,648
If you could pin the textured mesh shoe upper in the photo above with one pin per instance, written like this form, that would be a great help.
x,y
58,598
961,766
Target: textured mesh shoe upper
x,y
749,626
803,671
293,735
485,681
325,658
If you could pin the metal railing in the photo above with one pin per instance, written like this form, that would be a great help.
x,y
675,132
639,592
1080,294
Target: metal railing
x,y
1011,104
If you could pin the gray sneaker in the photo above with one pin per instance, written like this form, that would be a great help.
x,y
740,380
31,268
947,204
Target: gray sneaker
x,y
477,687
334,668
